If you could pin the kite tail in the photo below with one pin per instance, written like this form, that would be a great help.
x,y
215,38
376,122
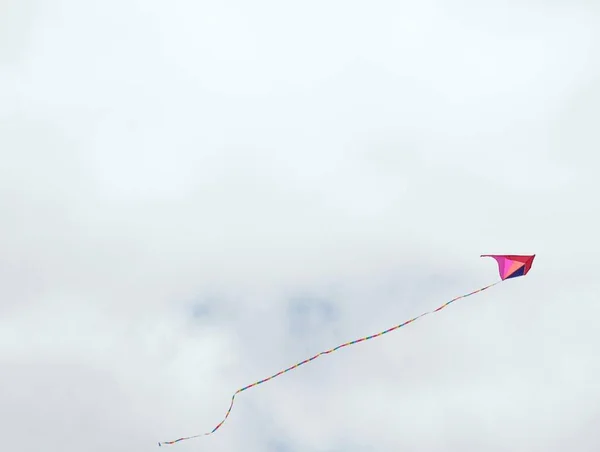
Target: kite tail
x,y
326,352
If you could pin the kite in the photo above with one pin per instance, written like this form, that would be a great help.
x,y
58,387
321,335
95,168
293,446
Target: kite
x,y
509,266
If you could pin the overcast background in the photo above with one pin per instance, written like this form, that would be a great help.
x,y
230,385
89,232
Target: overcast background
x,y
196,194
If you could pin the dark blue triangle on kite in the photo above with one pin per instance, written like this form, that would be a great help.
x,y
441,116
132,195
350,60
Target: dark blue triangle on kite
x,y
519,272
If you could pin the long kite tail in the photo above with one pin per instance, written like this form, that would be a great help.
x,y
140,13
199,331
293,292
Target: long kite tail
x,y
326,352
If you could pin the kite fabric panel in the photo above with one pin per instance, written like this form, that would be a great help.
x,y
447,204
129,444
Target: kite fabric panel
x,y
509,266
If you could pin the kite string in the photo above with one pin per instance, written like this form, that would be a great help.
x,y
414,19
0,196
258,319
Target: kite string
x,y
326,352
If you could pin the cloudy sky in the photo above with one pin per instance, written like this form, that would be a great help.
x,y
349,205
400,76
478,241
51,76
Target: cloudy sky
x,y
196,194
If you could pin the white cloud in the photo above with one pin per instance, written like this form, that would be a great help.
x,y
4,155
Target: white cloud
x,y
156,158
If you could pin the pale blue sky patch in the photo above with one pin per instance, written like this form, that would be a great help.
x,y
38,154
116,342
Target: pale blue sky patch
x,y
280,446
307,315
201,309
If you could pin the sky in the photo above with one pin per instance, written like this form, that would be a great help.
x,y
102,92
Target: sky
x,y
195,195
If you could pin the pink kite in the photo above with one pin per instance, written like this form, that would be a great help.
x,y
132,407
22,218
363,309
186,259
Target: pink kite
x,y
511,265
